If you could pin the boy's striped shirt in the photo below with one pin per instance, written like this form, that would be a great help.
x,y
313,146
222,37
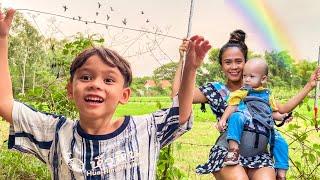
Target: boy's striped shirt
x,y
130,152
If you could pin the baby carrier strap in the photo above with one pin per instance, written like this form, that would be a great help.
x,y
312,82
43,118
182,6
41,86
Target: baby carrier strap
x,y
260,110
261,114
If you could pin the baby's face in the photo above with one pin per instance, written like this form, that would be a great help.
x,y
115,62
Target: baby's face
x,y
97,89
253,75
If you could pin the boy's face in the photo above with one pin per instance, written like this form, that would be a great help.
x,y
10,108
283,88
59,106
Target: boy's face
x,y
253,74
97,89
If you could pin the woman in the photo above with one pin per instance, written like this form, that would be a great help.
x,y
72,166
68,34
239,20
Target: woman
x,y
232,57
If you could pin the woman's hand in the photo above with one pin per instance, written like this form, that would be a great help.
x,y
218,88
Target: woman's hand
x,y
315,76
221,125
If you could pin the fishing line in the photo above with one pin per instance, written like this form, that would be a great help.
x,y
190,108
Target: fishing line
x,y
100,23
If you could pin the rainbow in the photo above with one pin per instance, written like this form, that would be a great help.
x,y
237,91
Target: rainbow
x,y
261,18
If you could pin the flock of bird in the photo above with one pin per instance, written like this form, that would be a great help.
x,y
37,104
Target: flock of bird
x,y
124,20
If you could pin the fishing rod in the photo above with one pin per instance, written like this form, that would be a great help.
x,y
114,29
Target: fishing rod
x,y
188,34
316,98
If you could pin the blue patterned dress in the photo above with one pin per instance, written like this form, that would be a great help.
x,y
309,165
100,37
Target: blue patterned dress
x,y
217,95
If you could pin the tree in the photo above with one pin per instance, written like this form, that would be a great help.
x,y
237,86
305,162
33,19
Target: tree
x,y
165,72
72,48
304,69
210,71
281,65
26,53
137,85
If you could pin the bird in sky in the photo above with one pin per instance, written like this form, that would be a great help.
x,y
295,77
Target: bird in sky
x,y
111,9
147,21
65,8
97,13
108,17
142,12
124,21
99,5
79,17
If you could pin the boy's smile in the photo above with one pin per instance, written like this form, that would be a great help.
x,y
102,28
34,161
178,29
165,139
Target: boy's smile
x,y
97,88
93,99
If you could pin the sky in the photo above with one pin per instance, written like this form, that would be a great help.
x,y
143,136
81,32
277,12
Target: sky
x,y
290,25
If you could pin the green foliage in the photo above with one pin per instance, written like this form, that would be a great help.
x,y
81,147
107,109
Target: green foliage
x,y
210,71
304,149
137,85
52,100
15,165
165,72
165,166
65,55
80,43
284,71
138,88
26,54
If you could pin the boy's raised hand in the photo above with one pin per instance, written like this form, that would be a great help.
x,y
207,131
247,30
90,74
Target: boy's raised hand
x,y
198,48
6,97
5,22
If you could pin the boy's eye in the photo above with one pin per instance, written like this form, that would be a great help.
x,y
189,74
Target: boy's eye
x,y
86,77
108,81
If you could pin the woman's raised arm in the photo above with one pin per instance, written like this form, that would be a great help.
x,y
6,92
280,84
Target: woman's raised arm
x,y
297,99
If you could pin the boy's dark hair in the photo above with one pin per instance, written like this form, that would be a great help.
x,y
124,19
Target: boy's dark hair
x,y
237,39
110,57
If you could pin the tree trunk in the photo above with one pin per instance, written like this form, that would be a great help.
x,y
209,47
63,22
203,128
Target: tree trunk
x,y
24,72
33,80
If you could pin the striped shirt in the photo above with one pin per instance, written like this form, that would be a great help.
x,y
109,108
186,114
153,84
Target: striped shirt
x,y
130,152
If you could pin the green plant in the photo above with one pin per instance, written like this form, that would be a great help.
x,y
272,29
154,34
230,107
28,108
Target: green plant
x,y
166,169
15,165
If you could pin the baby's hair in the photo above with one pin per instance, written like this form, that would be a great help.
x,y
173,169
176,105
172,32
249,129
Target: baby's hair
x,y
263,63
237,39
110,57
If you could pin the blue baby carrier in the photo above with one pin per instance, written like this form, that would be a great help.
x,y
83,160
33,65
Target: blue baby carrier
x,y
262,121
259,132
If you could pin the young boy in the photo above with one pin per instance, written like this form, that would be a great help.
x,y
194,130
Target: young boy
x,y
255,75
95,146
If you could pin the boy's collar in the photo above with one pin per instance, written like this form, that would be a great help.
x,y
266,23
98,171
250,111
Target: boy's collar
x,y
118,131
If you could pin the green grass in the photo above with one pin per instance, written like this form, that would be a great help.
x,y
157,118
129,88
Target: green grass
x,y
15,165
189,150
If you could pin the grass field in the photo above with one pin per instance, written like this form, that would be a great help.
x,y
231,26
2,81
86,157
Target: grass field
x,y
189,150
